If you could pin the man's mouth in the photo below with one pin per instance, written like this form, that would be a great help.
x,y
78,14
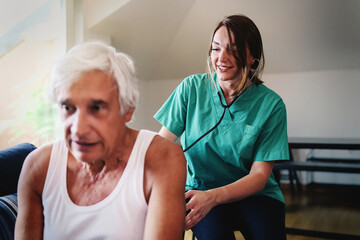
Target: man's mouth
x,y
84,144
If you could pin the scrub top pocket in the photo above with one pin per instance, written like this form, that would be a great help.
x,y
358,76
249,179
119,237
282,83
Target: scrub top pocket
x,y
247,143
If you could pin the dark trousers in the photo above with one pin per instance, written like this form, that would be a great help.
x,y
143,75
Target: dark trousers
x,y
256,217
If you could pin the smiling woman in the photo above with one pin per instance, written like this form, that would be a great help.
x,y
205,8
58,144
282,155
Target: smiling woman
x,y
230,184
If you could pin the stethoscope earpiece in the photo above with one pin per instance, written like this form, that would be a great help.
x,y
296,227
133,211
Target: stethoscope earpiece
x,y
255,63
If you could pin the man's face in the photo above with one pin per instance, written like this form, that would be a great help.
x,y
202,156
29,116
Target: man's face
x,y
90,113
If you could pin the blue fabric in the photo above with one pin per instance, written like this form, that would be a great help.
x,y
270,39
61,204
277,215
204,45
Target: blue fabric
x,y
8,213
11,161
256,217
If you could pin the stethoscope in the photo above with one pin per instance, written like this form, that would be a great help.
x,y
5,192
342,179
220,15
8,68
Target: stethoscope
x,y
225,106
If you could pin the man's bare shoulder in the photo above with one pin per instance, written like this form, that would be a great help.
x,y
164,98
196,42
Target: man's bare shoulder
x,y
165,175
35,167
164,158
162,149
165,168
38,157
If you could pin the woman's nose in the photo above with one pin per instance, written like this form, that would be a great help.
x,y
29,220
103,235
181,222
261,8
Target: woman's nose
x,y
223,55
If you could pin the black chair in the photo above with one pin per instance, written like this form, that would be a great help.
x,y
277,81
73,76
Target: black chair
x,y
11,161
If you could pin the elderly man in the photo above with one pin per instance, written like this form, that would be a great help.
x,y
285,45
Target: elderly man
x,y
102,180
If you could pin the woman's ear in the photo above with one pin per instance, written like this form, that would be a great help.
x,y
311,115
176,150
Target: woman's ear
x,y
254,63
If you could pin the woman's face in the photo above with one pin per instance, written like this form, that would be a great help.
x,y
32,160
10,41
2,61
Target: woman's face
x,y
222,57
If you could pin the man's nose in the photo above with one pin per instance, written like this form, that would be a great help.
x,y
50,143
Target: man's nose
x,y
80,123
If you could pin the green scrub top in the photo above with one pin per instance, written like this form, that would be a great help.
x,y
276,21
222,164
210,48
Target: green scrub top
x,y
254,128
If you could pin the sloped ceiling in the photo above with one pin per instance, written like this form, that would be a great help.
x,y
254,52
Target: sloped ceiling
x,y
169,39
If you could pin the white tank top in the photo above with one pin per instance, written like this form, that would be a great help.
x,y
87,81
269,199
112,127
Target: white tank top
x,y
121,215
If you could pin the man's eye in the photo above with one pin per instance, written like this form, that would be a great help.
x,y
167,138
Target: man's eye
x,y
67,108
96,108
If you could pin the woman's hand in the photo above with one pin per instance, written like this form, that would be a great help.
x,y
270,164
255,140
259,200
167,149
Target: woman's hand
x,y
200,204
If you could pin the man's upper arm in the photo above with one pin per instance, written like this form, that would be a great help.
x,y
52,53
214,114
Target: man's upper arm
x,y
29,222
166,210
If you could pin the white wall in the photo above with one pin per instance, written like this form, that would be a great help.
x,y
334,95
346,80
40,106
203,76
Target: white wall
x,y
152,95
320,104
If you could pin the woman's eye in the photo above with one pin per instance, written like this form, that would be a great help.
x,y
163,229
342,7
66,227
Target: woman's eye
x,y
215,49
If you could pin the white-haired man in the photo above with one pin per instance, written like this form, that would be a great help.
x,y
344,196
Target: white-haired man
x,y
102,180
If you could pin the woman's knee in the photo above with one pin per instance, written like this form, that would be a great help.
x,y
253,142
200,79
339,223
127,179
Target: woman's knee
x,y
215,225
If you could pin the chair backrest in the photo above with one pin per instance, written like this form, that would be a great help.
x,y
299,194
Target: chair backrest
x,y
11,161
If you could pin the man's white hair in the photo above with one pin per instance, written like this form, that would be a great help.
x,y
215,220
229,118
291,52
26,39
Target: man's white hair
x,y
90,56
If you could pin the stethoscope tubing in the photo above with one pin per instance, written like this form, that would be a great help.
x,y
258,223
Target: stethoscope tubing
x,y
225,106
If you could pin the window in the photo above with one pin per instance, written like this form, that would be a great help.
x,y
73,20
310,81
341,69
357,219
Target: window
x,y
28,47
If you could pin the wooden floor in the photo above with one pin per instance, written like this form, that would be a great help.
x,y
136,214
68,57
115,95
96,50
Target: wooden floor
x,y
320,208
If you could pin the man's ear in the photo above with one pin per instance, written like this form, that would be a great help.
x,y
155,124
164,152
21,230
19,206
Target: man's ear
x,y
128,114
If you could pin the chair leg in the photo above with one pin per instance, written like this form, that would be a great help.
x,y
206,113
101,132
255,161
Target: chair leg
x,y
291,178
277,175
298,185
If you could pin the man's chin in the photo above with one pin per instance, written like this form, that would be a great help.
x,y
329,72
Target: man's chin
x,y
86,157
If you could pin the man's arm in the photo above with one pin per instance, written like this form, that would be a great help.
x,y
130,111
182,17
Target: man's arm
x,y
165,175
30,220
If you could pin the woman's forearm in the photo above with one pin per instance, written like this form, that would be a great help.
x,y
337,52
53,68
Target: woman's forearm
x,y
253,183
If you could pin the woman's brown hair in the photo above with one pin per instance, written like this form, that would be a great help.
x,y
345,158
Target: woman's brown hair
x,y
246,35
